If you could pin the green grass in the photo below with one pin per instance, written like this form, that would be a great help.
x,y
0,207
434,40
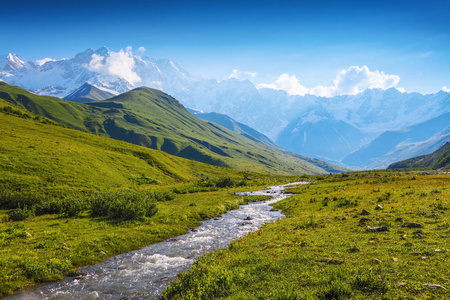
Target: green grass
x,y
48,247
319,251
83,198
150,118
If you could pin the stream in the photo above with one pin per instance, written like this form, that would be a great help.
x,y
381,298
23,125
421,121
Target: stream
x,y
145,273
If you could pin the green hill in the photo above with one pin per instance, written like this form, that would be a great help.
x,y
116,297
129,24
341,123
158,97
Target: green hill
x,y
440,159
37,155
153,119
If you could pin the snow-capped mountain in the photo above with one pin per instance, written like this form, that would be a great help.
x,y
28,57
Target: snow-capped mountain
x,y
333,127
119,71
89,92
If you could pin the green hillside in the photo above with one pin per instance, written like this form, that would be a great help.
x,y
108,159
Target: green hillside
x,y
56,182
440,159
35,154
155,120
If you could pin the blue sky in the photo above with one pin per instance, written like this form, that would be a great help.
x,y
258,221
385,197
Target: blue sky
x,y
312,40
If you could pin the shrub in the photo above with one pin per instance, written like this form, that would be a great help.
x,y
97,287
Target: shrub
x,y
52,206
126,205
20,214
224,183
72,206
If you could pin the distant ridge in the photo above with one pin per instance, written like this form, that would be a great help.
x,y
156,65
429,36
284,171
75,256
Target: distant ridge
x,y
440,159
234,125
89,92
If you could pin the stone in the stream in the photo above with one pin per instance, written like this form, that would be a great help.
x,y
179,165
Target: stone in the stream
x,y
378,207
248,218
245,223
377,229
365,212
363,221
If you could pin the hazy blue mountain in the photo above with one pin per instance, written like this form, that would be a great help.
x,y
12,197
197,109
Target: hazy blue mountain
x,y
320,135
233,125
439,159
395,145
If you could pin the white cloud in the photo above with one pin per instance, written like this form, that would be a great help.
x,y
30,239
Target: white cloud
x,y
242,75
120,64
348,82
141,49
40,62
288,83
445,89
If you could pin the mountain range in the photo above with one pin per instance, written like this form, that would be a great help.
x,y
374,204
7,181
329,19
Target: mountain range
x,y
151,118
333,129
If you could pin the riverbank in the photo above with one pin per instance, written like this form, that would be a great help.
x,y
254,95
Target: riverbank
x,y
144,273
378,235
49,247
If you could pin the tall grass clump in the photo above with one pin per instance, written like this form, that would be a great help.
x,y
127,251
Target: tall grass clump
x,y
224,183
125,205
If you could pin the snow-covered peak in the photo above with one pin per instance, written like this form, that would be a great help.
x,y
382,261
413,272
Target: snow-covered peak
x,y
11,62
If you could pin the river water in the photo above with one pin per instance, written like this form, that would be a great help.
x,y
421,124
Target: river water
x,y
145,273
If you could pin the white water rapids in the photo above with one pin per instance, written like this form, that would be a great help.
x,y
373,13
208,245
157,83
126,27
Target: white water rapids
x,y
144,273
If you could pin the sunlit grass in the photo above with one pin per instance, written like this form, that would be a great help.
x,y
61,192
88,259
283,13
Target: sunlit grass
x,y
320,250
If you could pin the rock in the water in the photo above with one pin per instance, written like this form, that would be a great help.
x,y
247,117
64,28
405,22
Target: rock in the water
x,y
248,218
245,223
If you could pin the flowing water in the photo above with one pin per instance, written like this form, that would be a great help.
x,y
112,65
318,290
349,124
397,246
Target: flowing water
x,y
144,273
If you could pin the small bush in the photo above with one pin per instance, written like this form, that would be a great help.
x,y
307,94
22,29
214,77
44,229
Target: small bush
x,y
73,206
52,206
126,205
20,214
224,183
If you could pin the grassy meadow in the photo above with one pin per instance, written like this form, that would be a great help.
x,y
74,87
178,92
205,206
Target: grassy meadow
x,y
70,198
322,249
